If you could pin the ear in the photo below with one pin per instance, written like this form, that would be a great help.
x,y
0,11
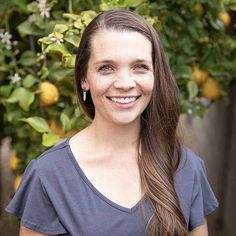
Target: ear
x,y
85,84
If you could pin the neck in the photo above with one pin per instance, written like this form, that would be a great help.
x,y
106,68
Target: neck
x,y
114,137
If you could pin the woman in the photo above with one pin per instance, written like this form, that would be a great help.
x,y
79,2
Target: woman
x,y
126,173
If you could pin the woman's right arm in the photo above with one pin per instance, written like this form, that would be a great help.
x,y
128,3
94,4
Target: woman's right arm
x,y
28,232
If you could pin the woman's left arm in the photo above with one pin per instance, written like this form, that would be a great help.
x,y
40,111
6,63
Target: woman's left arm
x,y
201,230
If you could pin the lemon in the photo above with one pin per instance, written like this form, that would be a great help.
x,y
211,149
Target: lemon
x,y
198,9
49,93
225,18
14,162
199,76
17,182
211,89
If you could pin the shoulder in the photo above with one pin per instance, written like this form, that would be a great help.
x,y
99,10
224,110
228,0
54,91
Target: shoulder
x,y
189,161
51,163
55,154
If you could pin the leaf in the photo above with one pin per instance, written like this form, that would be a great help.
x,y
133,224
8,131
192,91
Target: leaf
x,y
69,62
60,28
29,81
184,72
192,89
71,16
56,47
26,100
28,58
66,123
49,139
23,96
26,28
32,7
73,39
5,90
38,123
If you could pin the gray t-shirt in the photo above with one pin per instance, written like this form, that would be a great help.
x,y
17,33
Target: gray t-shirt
x,y
55,197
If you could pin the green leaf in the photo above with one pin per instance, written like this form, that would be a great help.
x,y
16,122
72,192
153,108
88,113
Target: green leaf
x,y
28,58
26,28
78,24
38,123
66,123
73,39
69,62
192,89
33,7
29,81
60,28
23,96
71,16
16,95
56,47
184,72
49,139
5,90
27,100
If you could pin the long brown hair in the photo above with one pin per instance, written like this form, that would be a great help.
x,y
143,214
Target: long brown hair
x,y
160,146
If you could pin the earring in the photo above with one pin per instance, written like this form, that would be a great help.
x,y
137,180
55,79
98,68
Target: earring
x,y
84,95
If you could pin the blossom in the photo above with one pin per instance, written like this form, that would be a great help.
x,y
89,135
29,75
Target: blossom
x,y
44,10
15,78
6,38
56,37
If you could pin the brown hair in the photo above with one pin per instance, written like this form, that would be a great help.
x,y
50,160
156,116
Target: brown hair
x,y
159,143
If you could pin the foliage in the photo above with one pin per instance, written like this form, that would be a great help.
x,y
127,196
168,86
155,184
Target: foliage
x,y
38,41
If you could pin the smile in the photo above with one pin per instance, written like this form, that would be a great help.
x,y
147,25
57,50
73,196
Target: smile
x,y
123,100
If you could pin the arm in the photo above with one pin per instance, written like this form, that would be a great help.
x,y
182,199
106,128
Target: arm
x,y
28,232
201,230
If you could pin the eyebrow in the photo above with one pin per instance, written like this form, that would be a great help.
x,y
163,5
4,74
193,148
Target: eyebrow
x,y
114,62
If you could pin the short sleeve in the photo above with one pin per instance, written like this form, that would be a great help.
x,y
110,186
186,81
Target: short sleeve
x,y
203,199
32,205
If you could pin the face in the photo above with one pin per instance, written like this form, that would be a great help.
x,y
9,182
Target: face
x,y
120,75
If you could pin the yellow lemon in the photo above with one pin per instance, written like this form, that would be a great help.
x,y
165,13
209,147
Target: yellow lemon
x,y
198,9
211,89
14,162
17,182
49,93
199,76
225,18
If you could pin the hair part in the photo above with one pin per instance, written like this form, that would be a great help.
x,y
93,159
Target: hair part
x,y
159,143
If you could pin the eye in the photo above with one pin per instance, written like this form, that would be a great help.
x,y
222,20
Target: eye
x,y
105,68
141,67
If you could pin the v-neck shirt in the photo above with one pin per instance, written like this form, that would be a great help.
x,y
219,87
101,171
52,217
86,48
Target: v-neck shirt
x,y
56,197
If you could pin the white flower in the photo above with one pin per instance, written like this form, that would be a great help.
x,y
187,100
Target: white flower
x,y
15,78
56,38
190,112
5,37
44,10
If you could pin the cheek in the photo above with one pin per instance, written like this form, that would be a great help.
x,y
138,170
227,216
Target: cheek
x,y
147,84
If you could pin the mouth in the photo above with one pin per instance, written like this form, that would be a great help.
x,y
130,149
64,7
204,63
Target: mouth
x,y
124,100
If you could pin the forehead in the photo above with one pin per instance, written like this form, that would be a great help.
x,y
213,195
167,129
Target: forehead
x,y
120,45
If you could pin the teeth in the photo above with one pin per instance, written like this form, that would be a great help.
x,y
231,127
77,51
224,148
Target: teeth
x,y
124,100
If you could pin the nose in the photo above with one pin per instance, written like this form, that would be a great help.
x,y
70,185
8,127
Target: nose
x,y
124,81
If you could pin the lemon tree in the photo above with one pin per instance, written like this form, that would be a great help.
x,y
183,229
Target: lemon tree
x,y
38,41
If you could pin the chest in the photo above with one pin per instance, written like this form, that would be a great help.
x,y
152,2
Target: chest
x,y
119,182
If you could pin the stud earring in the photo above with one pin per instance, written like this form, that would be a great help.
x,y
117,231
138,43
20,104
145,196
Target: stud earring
x,y
84,95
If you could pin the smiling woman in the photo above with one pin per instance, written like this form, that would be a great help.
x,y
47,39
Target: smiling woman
x,y
126,173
